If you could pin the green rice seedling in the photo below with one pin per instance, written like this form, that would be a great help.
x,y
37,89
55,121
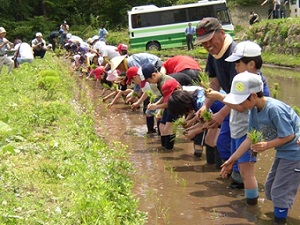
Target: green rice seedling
x,y
134,94
206,116
114,87
179,122
93,66
255,137
151,96
203,80
105,86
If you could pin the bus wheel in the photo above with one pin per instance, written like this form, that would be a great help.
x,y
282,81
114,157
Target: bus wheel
x,y
153,46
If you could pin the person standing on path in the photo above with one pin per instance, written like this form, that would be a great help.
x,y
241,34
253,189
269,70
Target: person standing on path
x,y
189,34
253,18
103,33
65,27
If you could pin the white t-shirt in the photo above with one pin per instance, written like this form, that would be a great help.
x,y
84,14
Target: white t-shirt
x,y
109,51
25,51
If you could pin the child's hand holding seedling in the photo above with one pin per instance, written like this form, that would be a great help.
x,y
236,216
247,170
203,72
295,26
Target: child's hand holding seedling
x,y
255,137
191,132
214,95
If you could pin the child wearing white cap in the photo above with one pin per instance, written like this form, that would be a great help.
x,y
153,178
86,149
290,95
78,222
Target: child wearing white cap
x,y
247,57
280,126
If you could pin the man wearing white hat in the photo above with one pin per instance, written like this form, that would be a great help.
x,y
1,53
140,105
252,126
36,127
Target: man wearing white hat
x,y
39,45
4,45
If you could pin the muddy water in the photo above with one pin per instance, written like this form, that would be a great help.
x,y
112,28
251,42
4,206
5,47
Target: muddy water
x,y
176,188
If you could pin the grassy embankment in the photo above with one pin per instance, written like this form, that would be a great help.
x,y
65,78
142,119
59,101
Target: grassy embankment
x,y
54,168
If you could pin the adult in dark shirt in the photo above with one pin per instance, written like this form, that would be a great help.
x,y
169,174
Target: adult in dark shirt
x,y
53,38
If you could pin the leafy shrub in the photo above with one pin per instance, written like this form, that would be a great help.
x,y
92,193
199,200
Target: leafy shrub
x,y
48,79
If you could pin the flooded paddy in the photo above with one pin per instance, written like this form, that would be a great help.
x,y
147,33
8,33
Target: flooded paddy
x,y
176,188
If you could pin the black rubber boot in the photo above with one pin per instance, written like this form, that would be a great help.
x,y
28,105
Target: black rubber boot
x,y
163,141
210,154
252,201
157,124
280,221
218,159
150,124
198,153
170,140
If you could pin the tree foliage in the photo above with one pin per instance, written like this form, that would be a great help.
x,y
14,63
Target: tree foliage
x,y
22,18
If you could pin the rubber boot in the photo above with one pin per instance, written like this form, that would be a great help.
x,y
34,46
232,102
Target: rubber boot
x,y
252,201
163,141
210,154
157,124
170,140
218,159
150,124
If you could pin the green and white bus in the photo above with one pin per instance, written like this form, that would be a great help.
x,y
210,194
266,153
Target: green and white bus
x,y
154,28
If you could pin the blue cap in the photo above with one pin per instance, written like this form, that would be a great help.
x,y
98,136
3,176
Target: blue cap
x,y
60,31
147,70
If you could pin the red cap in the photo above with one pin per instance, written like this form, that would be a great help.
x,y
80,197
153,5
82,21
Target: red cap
x,y
98,72
121,47
168,87
131,72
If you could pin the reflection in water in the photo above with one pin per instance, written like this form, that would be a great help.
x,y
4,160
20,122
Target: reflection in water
x,y
288,84
174,187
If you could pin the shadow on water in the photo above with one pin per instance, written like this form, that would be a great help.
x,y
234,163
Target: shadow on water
x,y
175,188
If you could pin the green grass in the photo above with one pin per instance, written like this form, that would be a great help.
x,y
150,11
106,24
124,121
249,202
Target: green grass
x,y
54,168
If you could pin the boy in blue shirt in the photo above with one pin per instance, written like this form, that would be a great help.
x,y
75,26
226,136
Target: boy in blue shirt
x,y
280,126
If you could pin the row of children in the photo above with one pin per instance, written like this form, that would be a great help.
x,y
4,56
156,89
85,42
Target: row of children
x,y
236,85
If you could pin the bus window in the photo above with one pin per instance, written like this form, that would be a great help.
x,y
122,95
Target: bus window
x,y
293,2
223,17
136,21
195,14
180,16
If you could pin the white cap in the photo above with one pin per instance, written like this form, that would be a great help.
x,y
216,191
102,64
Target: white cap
x,y
244,49
69,35
243,85
2,30
95,37
38,34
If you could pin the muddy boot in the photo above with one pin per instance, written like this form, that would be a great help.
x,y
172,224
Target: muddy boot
x,y
252,201
218,159
163,141
170,140
150,124
210,154
158,130
198,153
